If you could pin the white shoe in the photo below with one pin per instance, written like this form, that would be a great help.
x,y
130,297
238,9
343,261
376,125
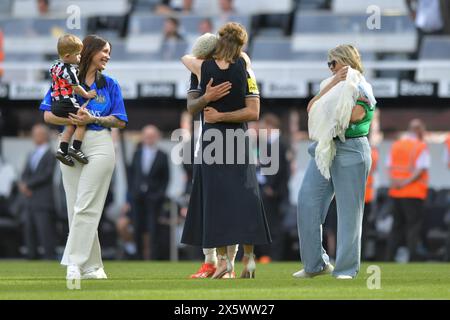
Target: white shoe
x,y
303,274
96,274
344,277
73,273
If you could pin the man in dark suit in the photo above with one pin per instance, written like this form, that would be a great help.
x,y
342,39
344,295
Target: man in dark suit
x,y
274,188
36,185
149,177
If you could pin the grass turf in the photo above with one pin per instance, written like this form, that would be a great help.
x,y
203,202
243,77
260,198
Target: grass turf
x,y
164,280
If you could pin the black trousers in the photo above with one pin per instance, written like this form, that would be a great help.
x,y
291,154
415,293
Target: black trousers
x,y
407,226
274,218
145,214
40,230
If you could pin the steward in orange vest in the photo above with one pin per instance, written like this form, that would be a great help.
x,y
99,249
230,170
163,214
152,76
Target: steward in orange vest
x,y
408,165
407,181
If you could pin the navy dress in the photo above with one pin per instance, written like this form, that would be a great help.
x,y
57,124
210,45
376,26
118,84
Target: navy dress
x,y
225,206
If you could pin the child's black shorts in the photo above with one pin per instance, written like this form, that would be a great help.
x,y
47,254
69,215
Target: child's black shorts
x,y
63,107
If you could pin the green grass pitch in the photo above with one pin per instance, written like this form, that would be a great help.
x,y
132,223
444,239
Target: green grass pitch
x,y
165,280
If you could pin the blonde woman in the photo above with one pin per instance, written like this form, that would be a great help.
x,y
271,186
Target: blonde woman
x,y
348,170
225,206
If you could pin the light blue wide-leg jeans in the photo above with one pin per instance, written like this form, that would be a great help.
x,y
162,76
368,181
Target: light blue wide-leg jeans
x,y
349,172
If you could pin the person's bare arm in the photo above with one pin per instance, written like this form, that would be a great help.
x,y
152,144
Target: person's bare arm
x,y
79,90
341,75
52,119
415,176
110,122
358,113
196,103
401,183
193,64
83,117
249,113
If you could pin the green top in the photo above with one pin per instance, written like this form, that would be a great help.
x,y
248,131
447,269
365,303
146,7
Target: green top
x,y
362,127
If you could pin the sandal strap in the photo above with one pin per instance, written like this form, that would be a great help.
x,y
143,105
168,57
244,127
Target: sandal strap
x,y
222,257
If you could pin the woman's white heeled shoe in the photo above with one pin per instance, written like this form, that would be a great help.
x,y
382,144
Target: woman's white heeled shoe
x,y
249,271
222,273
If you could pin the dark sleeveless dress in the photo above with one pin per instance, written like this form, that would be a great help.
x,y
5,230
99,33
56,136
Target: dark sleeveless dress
x,y
225,206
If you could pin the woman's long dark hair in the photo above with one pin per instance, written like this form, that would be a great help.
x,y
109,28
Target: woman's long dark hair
x,y
92,44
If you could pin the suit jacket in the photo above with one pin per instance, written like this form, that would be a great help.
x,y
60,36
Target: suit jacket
x,y
445,11
40,181
279,181
152,185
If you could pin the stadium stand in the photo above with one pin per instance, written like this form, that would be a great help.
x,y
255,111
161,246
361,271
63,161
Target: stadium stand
x,y
357,6
28,8
322,30
288,43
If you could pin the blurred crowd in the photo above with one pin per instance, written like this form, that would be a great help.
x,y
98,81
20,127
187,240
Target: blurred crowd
x,y
431,18
408,222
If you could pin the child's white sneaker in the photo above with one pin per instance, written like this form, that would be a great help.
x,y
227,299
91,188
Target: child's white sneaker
x,y
73,273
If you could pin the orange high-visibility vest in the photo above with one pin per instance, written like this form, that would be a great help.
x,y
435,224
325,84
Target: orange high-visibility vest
x,y
404,154
447,143
369,185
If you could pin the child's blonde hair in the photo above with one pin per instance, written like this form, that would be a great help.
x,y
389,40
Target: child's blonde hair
x,y
347,55
69,44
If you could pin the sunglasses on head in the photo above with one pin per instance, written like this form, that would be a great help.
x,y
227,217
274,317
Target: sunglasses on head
x,y
331,64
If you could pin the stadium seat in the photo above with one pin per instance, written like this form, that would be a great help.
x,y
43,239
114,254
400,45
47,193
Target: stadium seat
x,y
321,31
21,8
144,33
145,5
5,8
172,51
118,51
435,48
24,56
37,27
360,6
274,25
263,6
311,4
189,24
145,24
271,49
115,26
38,35
247,7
